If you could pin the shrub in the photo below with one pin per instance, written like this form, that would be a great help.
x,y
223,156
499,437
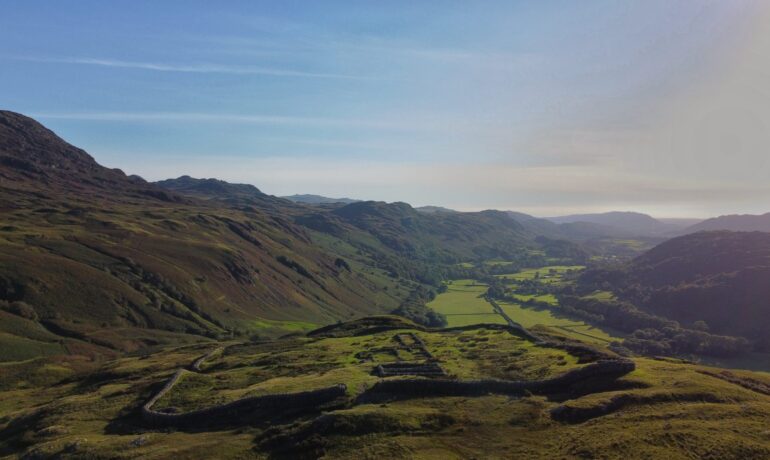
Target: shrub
x,y
20,308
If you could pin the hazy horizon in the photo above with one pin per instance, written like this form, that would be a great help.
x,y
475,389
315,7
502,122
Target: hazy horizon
x,y
545,108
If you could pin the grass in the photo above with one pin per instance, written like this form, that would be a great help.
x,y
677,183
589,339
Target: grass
x,y
313,364
604,296
547,298
15,348
302,365
497,263
548,275
633,244
670,410
463,304
532,316
528,316
288,326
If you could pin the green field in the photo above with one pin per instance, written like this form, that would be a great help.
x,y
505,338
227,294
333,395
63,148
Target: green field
x,y
463,304
465,265
547,298
291,326
496,263
15,348
531,316
604,296
549,274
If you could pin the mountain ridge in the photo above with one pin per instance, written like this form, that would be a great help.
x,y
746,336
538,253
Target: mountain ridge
x,y
734,222
318,199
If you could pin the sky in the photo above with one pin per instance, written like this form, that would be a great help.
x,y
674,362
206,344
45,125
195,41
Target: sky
x,y
546,107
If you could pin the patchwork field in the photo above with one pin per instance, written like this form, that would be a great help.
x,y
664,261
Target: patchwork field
x,y
463,304
533,316
550,274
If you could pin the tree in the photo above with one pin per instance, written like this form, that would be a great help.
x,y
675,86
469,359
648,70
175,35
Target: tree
x,y
700,326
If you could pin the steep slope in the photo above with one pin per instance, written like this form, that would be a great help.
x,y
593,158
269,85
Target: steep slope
x,y
112,262
34,160
403,241
417,237
446,237
722,278
736,223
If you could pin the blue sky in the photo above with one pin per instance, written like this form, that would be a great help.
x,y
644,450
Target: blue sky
x,y
544,107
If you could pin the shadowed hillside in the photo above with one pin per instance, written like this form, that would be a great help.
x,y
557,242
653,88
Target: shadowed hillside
x,y
722,278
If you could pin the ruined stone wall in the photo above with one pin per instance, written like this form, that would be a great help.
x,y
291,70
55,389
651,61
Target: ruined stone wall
x,y
608,369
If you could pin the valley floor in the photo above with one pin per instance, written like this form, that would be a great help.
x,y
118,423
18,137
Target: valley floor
x,y
465,303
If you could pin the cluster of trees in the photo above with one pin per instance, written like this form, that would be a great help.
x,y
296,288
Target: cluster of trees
x,y
164,295
562,249
340,263
296,266
500,289
679,341
414,308
651,334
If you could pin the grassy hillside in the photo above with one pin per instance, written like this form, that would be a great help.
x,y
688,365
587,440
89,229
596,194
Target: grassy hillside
x,y
103,262
662,409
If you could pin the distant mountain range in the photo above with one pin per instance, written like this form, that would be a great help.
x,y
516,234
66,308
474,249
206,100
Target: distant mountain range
x,y
318,199
633,223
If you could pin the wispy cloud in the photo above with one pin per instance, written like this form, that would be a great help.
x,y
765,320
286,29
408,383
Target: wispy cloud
x,y
203,68
424,122
199,117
